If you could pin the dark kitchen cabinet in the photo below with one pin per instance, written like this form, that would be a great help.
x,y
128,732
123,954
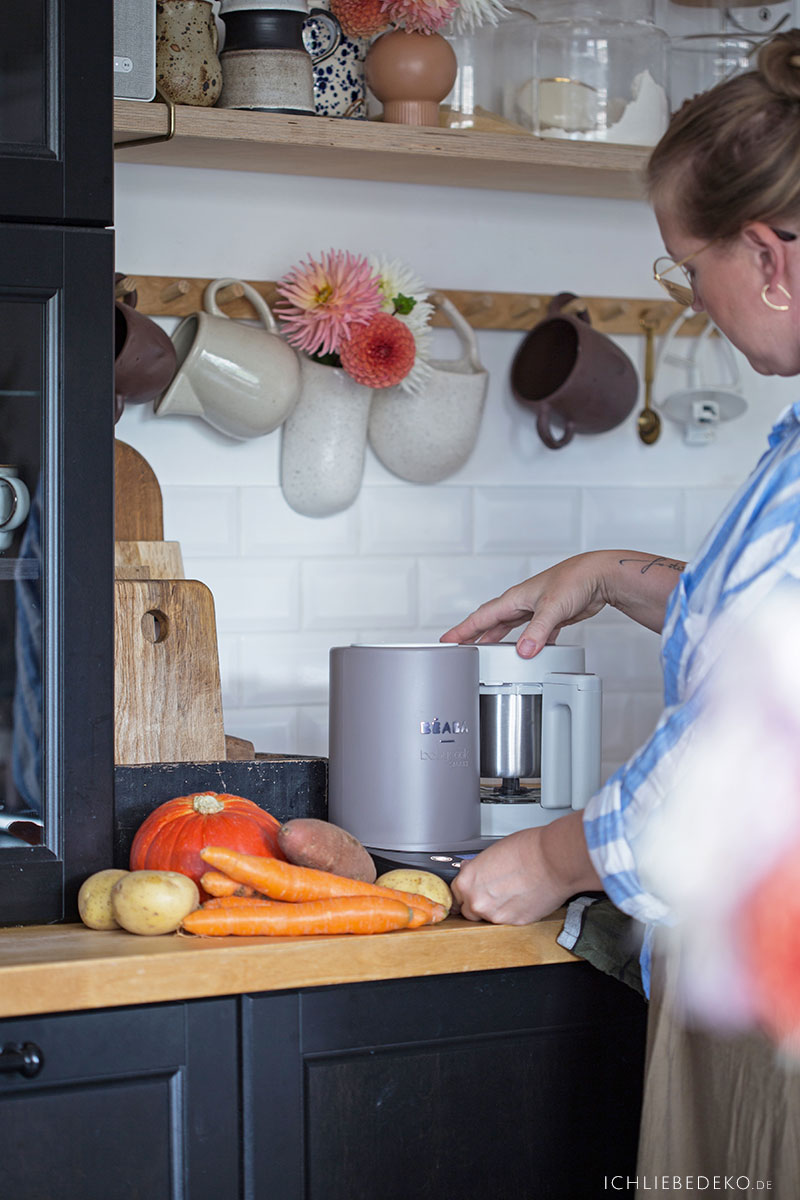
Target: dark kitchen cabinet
x,y
56,432
128,1102
56,72
515,1083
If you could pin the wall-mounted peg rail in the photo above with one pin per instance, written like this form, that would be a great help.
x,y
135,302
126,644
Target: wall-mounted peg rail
x,y
171,296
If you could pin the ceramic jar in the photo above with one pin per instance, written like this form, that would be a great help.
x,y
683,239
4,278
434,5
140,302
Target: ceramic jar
x,y
340,89
188,69
425,438
323,442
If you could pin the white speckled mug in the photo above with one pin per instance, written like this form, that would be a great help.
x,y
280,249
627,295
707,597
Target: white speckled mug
x,y
424,438
15,502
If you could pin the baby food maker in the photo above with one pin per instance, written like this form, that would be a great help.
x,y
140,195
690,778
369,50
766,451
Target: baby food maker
x,y
437,750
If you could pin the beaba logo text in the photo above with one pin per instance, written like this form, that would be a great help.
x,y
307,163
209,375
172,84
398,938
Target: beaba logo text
x,y
440,727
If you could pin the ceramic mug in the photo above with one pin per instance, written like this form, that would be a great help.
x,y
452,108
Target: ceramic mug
x,y
242,380
268,66
574,378
15,503
188,69
144,358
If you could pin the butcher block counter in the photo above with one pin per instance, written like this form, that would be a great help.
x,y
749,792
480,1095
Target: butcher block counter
x,y
66,968
463,1059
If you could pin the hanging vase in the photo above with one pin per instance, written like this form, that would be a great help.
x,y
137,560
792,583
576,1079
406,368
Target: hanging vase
x,y
411,73
324,441
424,438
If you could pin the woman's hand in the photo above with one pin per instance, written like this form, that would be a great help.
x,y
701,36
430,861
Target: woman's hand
x,y
525,876
568,592
636,583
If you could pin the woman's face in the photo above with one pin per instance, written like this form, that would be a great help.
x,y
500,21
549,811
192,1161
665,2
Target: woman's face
x,y
728,278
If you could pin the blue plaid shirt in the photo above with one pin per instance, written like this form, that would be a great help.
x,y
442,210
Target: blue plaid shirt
x,y
754,546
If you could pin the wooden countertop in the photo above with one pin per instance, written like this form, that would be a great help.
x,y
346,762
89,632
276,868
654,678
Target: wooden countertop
x,y
58,968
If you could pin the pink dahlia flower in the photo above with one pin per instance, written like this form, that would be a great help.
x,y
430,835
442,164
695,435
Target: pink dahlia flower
x,y
380,353
419,16
324,299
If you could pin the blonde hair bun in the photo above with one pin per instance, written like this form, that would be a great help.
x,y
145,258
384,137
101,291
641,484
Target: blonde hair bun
x,y
779,64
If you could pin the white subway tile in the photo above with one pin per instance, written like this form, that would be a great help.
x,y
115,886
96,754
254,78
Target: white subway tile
x,y
450,588
617,724
623,658
379,592
536,521
271,730
289,668
204,519
640,518
312,730
251,594
270,527
703,507
411,520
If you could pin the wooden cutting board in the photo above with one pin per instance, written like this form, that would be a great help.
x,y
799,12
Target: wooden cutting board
x,y
148,560
138,508
167,698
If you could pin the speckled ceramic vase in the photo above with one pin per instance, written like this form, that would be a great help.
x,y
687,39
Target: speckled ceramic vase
x,y
188,68
426,437
340,89
323,442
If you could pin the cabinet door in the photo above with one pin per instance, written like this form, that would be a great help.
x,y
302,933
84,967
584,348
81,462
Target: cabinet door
x,y
509,1083
56,71
56,566
128,1102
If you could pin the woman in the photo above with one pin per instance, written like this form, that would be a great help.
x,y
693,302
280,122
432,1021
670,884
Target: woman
x,y
725,185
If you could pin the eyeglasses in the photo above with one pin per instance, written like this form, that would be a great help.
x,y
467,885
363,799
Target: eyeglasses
x,y
680,292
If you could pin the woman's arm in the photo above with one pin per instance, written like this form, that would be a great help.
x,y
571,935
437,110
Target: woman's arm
x,y
636,583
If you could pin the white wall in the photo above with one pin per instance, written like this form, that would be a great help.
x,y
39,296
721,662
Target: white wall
x,y
406,561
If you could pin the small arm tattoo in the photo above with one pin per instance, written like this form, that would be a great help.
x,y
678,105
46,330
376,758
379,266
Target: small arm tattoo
x,y
647,563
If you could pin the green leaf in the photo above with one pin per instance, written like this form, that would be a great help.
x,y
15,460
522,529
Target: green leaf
x,y
404,304
327,360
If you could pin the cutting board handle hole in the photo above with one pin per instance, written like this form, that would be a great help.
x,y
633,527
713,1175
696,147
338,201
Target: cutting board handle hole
x,y
155,626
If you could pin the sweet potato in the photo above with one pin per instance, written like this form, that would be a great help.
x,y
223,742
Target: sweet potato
x,y
308,842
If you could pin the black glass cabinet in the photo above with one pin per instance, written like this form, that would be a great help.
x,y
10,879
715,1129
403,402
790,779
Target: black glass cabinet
x,y
56,454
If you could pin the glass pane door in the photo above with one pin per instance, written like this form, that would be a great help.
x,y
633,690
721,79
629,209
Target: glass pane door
x,y
22,504
24,74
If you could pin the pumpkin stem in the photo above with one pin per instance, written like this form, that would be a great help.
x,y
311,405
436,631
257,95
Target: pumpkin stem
x,y
207,803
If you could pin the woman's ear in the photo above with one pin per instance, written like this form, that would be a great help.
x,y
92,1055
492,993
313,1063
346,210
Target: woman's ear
x,y
767,249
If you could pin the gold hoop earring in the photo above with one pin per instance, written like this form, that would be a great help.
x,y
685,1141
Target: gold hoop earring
x,y
768,302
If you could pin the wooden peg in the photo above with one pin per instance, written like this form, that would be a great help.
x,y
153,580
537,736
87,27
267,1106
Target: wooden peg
x,y
124,287
174,291
612,311
234,291
573,307
480,304
532,305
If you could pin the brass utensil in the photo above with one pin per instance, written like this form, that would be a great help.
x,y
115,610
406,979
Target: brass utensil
x,y
648,422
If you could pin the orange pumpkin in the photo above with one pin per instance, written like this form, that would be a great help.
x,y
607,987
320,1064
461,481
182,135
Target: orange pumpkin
x,y
171,838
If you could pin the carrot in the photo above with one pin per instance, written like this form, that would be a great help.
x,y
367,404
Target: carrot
x,y
217,884
235,901
270,918
284,881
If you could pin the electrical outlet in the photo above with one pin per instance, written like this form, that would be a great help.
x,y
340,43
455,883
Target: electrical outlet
x,y
760,18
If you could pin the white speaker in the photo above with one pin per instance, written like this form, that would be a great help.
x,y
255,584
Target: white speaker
x,y
134,49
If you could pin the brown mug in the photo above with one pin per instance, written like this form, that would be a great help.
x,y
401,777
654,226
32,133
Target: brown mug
x,y
144,358
572,376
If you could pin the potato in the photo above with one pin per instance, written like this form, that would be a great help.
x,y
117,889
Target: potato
x,y
309,842
153,902
423,883
94,899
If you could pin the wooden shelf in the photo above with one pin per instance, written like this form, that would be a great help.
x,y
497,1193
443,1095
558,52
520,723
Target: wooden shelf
x,y
232,139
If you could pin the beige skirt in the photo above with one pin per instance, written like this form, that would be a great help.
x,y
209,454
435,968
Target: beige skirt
x,y
721,1109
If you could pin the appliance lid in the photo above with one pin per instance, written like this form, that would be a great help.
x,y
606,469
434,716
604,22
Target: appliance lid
x,y
499,663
